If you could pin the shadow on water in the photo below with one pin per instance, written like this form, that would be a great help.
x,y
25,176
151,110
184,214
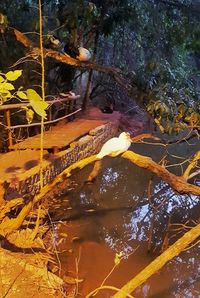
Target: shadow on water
x,y
127,210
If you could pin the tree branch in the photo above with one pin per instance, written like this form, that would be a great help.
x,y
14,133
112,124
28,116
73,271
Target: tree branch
x,y
22,38
160,261
191,165
178,183
115,73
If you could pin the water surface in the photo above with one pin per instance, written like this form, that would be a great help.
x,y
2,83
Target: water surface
x,y
128,210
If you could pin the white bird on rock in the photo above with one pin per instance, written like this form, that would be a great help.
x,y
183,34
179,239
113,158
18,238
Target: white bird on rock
x,y
115,146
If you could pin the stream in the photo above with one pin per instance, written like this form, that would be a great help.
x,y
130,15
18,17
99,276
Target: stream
x,y
127,210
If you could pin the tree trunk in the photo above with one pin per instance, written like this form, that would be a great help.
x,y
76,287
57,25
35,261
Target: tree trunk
x,y
87,92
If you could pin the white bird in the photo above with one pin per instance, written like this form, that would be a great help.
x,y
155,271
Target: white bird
x,y
115,146
84,54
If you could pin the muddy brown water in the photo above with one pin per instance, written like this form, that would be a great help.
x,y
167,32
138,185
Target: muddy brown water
x,y
94,222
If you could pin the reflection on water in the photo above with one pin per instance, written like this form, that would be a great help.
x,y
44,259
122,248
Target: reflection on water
x,y
123,212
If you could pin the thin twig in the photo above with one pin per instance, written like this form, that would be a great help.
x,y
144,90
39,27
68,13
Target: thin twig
x,y
46,122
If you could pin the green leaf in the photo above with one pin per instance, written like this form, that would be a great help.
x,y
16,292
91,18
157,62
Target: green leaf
x,y
1,79
22,95
29,115
3,20
6,86
37,103
157,105
5,94
13,75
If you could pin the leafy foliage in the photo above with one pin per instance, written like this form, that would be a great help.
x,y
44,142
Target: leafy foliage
x,y
160,43
8,91
157,43
36,102
5,86
173,118
3,23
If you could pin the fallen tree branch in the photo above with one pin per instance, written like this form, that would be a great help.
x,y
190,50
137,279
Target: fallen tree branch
x,y
178,183
173,251
8,225
144,136
6,208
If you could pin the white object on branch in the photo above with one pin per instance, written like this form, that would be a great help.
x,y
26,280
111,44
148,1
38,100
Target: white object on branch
x,y
115,146
84,54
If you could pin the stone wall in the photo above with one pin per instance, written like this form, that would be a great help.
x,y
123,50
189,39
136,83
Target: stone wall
x,y
86,146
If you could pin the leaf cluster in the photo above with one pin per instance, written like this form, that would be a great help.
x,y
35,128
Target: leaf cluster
x,y
172,117
8,91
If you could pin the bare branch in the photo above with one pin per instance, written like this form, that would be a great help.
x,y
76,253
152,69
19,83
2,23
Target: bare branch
x,y
176,182
22,38
115,73
191,165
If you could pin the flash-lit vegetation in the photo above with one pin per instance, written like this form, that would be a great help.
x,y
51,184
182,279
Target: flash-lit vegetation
x,y
134,57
